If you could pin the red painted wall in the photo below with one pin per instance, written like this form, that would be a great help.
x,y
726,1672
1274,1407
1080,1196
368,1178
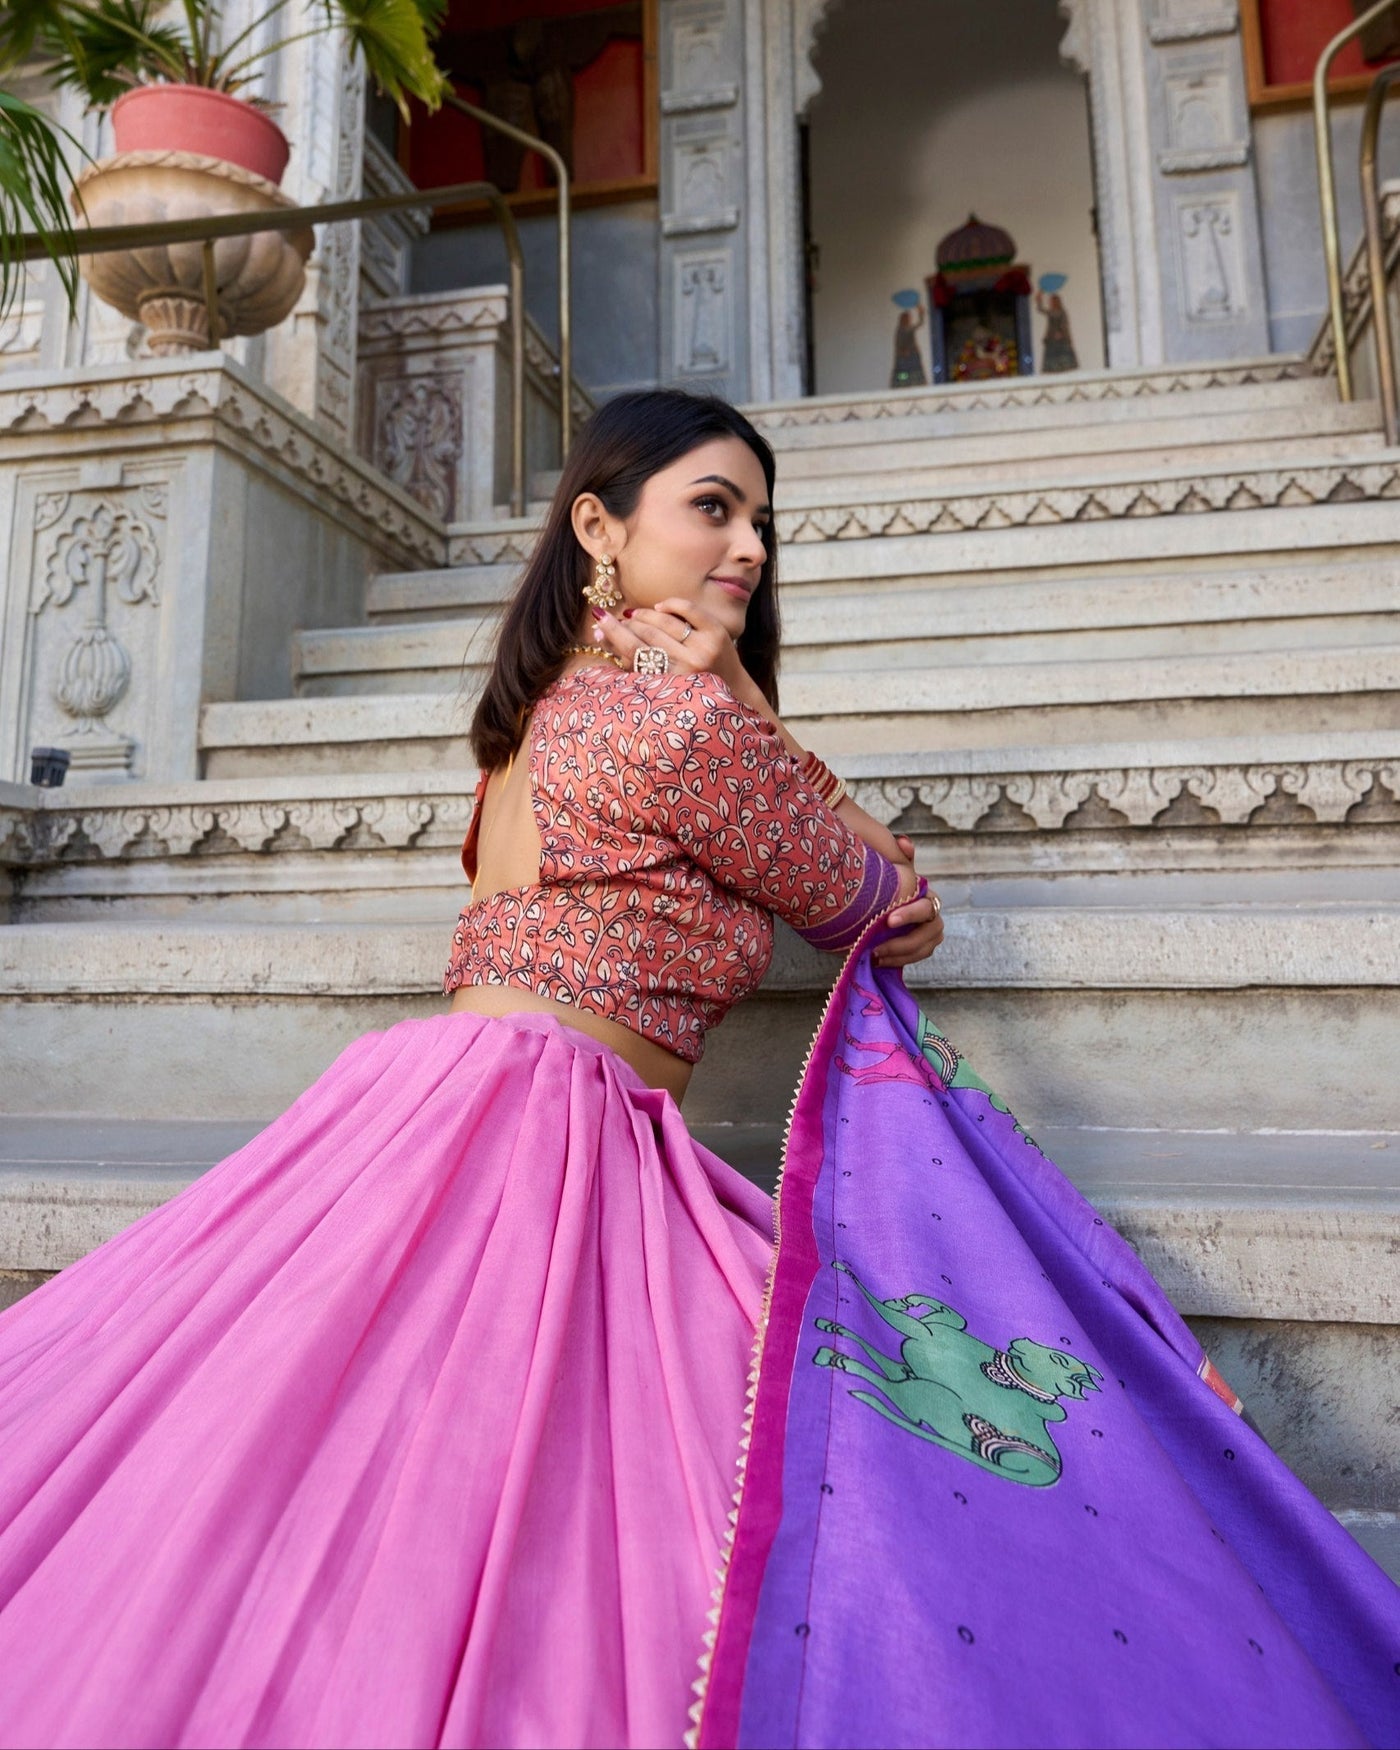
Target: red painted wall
x,y
609,94
1295,32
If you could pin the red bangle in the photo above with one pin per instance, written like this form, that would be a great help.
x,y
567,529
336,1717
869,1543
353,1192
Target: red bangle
x,y
822,779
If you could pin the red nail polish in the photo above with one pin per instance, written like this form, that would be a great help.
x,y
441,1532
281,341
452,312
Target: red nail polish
x,y
627,613
599,614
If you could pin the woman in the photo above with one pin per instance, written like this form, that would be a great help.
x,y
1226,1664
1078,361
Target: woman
x,y
415,1421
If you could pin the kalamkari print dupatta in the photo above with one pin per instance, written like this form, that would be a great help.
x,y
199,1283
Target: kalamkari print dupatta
x,y
993,1492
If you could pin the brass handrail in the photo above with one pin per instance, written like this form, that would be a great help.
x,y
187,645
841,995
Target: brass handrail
x,y
1327,189
103,239
1375,251
561,179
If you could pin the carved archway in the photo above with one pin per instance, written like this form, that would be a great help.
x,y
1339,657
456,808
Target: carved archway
x,y
1104,41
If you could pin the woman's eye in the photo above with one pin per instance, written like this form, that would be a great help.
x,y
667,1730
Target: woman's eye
x,y
710,505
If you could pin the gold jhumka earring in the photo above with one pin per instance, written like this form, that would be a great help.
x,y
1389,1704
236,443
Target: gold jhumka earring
x,y
603,591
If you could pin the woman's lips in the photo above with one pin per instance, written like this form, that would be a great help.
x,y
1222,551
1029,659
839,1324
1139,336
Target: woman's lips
x,y
734,586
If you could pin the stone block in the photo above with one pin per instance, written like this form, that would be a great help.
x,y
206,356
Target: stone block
x,y
434,398
165,526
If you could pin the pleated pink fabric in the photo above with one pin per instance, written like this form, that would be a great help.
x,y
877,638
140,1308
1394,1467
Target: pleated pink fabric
x,y
412,1423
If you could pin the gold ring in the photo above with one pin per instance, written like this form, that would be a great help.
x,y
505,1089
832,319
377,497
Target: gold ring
x,y
936,903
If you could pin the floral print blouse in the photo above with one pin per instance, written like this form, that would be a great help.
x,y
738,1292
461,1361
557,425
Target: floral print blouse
x,y
673,823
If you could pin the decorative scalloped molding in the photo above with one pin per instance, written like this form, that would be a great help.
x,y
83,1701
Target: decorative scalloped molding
x,y
46,836
1250,489
491,547
1263,489
239,408
1271,794
1298,793
1032,392
399,318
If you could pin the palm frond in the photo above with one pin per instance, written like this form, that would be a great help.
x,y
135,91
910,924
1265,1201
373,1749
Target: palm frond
x,y
26,25
33,180
395,38
107,45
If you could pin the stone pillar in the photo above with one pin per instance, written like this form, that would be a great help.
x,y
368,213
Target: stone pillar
x,y
1210,255
704,257
310,358
1179,243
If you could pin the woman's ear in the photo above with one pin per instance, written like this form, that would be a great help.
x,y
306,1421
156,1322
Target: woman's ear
x,y
597,530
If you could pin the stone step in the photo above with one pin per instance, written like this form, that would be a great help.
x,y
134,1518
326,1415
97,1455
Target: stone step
x,y
466,589
1237,1224
972,704
1078,397
1175,1015
935,624
942,453
1139,528
965,411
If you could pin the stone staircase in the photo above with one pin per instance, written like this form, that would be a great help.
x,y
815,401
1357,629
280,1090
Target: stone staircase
x,y
1120,650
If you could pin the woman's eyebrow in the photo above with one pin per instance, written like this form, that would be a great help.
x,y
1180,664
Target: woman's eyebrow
x,y
729,486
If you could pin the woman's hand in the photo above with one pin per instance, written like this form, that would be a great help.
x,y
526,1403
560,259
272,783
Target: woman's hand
x,y
919,920
692,638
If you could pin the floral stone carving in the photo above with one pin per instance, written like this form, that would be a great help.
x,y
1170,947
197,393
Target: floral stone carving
x,y
259,278
104,553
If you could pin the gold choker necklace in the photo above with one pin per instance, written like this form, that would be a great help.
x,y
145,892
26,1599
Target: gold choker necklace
x,y
596,650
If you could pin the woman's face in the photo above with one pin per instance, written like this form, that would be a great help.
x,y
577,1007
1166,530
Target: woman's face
x,y
697,532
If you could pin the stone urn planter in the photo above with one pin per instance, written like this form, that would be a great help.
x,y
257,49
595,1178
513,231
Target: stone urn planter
x,y
184,153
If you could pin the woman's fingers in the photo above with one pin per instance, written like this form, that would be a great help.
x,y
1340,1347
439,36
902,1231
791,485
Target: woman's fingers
x,y
693,641
915,944
920,929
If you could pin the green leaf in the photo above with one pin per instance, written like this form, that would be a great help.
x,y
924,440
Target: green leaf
x,y
26,25
395,39
110,45
34,181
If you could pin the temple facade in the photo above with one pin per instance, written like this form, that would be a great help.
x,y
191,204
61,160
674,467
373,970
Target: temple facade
x,y
1089,586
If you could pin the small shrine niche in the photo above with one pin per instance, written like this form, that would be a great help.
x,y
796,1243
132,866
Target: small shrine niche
x,y
980,300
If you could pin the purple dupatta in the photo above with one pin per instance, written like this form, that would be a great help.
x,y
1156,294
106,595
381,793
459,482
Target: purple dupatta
x,y
994,1493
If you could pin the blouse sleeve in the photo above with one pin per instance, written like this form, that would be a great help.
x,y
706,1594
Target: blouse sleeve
x,y
726,790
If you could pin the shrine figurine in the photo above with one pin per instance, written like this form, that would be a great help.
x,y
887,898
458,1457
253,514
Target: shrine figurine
x,y
908,369
1057,348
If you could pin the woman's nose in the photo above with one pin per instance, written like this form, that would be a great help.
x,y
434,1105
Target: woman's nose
x,y
748,546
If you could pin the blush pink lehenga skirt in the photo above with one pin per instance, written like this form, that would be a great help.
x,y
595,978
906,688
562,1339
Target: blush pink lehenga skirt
x,y
412,1423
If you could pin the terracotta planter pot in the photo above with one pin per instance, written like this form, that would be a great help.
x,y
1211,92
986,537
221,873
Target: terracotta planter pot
x,y
189,118
258,278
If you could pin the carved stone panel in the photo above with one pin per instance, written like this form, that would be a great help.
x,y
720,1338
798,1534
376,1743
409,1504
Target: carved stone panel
x,y
700,58
703,291
1209,259
1201,127
702,195
1214,302
704,324
417,436
95,586
1186,20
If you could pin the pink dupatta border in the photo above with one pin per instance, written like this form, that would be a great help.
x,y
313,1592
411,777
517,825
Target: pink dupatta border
x,y
794,1266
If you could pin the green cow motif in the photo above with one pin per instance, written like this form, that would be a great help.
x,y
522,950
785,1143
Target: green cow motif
x,y
990,1406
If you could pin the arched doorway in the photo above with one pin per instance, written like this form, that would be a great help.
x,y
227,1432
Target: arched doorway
x,y
929,110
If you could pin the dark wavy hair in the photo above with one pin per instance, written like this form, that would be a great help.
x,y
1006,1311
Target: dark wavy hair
x,y
625,442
